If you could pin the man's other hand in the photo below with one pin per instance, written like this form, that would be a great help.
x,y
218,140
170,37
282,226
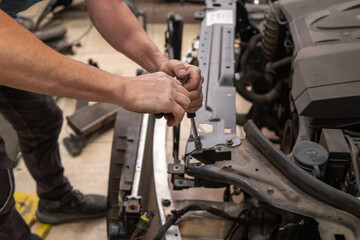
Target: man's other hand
x,y
193,84
157,93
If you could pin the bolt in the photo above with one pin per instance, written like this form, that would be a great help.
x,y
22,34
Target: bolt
x,y
229,141
166,202
176,168
227,167
270,190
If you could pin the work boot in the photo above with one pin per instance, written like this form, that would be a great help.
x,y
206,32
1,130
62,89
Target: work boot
x,y
34,237
79,206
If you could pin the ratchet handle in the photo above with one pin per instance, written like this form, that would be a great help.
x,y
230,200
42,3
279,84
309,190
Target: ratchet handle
x,y
191,115
159,115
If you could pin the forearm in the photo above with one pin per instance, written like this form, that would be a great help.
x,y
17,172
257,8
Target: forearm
x,y
28,64
120,28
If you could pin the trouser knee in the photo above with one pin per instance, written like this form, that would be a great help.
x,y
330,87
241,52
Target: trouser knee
x,y
52,122
43,128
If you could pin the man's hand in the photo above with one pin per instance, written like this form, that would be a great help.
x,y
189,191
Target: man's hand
x,y
116,23
155,93
193,84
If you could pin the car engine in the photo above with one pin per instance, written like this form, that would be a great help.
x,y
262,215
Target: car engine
x,y
299,68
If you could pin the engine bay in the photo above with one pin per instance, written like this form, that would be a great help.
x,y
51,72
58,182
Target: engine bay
x,y
298,67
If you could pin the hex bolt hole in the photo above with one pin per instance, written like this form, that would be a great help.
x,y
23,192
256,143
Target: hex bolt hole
x,y
176,168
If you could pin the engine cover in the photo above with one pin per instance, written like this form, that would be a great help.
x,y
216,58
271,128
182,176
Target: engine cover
x,y
326,78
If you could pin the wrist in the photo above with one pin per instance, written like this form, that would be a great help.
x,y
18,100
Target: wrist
x,y
118,92
159,61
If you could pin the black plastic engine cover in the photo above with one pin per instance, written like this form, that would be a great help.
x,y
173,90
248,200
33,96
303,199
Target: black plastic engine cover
x,y
326,79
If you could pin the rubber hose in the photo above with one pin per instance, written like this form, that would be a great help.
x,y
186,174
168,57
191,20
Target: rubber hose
x,y
301,179
251,46
272,95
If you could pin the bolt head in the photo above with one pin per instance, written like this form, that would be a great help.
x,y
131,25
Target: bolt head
x,y
166,202
229,141
198,144
270,190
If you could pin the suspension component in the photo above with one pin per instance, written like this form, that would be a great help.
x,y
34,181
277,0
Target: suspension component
x,y
271,36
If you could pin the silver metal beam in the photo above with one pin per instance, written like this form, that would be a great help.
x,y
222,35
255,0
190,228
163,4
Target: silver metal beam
x,y
162,187
140,156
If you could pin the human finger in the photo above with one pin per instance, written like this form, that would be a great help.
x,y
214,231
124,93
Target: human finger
x,y
177,115
195,104
176,68
182,100
195,79
182,90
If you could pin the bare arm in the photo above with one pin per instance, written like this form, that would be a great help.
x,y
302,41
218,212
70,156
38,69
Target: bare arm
x,y
120,28
28,64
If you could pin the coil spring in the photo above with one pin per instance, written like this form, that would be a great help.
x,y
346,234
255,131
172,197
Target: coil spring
x,y
271,35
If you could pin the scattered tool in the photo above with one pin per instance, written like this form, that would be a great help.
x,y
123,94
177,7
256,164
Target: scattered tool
x,y
191,116
26,205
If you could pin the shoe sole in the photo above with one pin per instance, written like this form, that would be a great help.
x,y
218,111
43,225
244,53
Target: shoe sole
x,y
58,218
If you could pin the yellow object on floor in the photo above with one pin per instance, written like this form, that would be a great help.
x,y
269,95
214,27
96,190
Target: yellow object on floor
x,y
26,205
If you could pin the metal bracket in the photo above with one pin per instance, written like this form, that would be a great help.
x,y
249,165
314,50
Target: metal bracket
x,y
289,188
216,120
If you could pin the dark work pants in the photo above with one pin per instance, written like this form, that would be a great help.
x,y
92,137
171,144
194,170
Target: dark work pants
x,y
37,121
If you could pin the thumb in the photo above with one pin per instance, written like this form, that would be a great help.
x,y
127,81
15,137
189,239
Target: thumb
x,y
175,67
182,72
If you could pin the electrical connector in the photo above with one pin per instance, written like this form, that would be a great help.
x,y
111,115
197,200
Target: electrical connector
x,y
145,221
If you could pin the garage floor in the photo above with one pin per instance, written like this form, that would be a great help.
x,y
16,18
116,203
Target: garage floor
x,y
89,171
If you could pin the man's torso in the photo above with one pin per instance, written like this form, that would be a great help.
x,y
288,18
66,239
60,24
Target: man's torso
x,y
12,7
